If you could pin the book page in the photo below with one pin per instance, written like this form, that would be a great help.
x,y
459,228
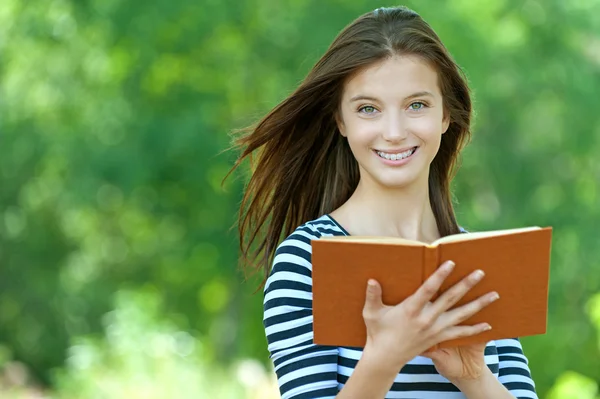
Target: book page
x,y
481,234
451,238
374,239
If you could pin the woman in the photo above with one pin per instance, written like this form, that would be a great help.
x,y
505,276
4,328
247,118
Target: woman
x,y
366,146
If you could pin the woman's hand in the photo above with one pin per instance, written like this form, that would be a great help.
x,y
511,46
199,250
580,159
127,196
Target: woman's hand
x,y
462,363
396,334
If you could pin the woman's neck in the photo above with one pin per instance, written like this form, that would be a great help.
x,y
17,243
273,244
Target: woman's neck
x,y
376,211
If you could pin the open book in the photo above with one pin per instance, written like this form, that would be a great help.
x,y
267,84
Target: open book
x,y
516,263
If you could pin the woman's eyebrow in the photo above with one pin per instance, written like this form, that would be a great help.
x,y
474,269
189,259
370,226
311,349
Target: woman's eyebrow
x,y
420,94
362,97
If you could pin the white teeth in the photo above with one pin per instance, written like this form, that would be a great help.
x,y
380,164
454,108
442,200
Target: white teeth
x,y
396,157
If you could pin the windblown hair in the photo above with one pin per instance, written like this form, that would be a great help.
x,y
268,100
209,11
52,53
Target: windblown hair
x,y
304,168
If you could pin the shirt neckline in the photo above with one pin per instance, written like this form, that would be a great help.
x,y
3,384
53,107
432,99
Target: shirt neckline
x,y
348,234
338,225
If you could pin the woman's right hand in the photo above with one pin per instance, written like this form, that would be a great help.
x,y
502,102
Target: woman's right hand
x,y
396,334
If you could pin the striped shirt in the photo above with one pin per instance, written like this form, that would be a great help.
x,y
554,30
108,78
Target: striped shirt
x,y
305,370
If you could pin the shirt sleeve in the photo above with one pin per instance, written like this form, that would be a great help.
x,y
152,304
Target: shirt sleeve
x,y
513,369
304,370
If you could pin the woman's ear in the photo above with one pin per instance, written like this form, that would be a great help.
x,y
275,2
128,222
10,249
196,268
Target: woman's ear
x,y
340,124
445,122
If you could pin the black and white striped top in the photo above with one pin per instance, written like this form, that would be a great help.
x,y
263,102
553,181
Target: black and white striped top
x,y
305,370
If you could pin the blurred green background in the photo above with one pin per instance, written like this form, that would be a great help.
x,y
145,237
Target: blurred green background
x,y
118,267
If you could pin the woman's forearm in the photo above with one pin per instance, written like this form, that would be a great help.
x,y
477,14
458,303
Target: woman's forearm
x,y
372,378
486,387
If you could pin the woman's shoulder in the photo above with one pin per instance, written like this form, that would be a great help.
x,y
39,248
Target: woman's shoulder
x,y
323,226
293,255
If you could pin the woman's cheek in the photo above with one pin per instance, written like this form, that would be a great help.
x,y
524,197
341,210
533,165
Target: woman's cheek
x,y
427,127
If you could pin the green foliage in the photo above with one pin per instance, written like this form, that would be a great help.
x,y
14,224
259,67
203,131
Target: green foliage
x,y
143,358
114,117
571,385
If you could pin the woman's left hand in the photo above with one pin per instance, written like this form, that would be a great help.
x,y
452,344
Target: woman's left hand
x,y
459,364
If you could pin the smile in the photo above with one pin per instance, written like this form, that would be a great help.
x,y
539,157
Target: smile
x,y
396,156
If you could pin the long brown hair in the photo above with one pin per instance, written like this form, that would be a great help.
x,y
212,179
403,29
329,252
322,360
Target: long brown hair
x,y
304,167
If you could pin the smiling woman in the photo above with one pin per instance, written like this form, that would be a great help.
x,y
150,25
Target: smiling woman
x,y
392,115
367,146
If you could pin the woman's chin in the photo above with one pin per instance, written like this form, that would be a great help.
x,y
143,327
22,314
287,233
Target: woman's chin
x,y
395,182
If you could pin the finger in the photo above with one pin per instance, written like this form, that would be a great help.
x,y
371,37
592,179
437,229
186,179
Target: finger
x,y
455,316
430,287
464,331
373,301
451,296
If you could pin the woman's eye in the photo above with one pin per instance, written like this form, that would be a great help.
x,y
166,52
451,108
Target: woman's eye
x,y
417,106
367,109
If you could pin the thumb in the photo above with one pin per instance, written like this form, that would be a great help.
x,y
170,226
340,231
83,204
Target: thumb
x,y
434,355
373,298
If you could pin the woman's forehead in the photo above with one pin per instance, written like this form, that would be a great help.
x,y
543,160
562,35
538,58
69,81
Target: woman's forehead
x,y
395,76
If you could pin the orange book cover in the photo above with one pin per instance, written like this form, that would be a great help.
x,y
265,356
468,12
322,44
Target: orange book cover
x,y
516,263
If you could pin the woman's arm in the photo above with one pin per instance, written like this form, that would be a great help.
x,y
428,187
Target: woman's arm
x,y
513,369
372,377
485,387
514,379
304,370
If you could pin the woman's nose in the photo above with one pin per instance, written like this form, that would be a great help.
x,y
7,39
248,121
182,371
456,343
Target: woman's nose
x,y
394,128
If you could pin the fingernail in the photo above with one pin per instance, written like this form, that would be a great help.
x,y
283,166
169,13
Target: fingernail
x,y
478,275
448,266
494,296
487,327
371,283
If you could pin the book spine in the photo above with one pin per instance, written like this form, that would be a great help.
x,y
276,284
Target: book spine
x,y
431,260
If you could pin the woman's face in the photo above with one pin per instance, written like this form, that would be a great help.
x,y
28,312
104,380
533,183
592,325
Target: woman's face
x,y
392,115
